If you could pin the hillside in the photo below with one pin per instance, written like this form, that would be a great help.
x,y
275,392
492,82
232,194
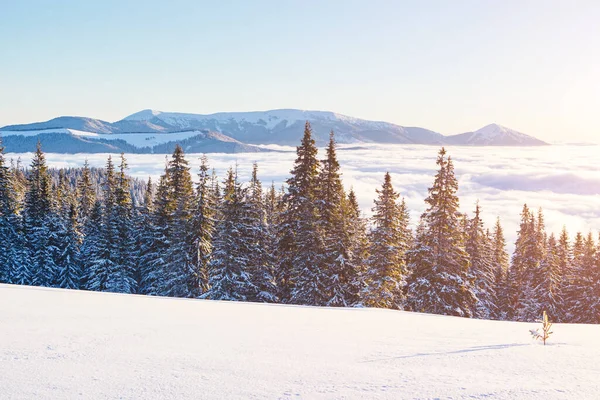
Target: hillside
x,y
281,127
59,344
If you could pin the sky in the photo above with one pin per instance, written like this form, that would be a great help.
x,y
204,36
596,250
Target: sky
x,y
449,66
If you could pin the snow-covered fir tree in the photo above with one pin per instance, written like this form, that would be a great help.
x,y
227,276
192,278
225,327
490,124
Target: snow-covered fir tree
x,y
39,220
261,259
440,280
386,269
179,279
479,247
229,275
203,227
302,277
500,263
69,261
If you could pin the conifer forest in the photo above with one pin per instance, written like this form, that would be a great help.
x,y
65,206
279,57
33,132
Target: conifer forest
x,y
307,243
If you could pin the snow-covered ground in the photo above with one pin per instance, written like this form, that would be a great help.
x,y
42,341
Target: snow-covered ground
x,y
60,344
136,139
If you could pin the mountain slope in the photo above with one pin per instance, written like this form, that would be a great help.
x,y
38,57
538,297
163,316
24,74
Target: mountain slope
x,y
283,127
494,135
75,141
64,344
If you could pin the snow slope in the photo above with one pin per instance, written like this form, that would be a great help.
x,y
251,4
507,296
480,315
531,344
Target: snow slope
x,y
283,127
76,141
59,344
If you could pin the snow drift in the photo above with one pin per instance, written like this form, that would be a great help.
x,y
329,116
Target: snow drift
x,y
58,344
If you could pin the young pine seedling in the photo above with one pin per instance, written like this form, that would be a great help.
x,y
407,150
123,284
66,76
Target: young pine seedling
x,y
546,332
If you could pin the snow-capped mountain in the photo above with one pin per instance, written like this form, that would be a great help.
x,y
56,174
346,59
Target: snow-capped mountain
x,y
281,127
494,135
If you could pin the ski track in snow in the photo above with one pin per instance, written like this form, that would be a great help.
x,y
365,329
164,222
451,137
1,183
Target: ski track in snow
x,y
62,344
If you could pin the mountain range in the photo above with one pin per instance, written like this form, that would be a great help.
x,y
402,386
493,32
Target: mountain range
x,y
151,131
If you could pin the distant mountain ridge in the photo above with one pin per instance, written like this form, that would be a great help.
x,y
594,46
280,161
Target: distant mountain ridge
x,y
282,127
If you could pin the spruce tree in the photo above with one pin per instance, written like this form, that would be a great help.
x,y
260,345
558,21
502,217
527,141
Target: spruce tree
x,y
86,192
481,257
37,224
386,266
203,227
500,264
69,262
301,274
261,259
13,264
229,275
440,280
179,269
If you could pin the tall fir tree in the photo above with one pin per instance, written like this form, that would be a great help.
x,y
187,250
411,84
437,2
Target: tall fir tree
x,y
440,281
386,266
301,274
179,269
500,263
203,227
229,275
479,246
69,262
86,192
38,217
13,263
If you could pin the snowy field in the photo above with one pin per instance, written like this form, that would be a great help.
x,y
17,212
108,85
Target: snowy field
x,y
564,180
59,344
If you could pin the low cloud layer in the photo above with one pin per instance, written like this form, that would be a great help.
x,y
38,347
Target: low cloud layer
x,y
563,180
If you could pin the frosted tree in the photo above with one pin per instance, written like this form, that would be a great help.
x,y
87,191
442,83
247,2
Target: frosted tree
x,y
301,274
179,269
119,229
86,193
229,277
582,292
481,256
440,281
386,273
261,259
13,263
548,279
69,261
38,217
500,263
203,226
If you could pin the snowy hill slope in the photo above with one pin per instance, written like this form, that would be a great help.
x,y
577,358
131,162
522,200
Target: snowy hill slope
x,y
283,127
59,344
494,135
66,140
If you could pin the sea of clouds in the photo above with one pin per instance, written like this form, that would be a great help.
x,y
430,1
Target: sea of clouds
x,y
563,180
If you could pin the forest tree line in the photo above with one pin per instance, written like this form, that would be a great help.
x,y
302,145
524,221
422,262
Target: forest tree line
x,y
306,243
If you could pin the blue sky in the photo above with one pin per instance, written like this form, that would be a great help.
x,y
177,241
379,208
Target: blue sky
x,y
451,66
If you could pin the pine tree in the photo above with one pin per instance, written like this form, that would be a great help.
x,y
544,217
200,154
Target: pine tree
x,y
582,300
359,246
301,276
93,251
229,277
481,256
440,282
102,273
146,276
203,227
334,216
261,259
13,264
37,220
563,255
386,265
548,279
69,262
179,269
500,264
87,194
